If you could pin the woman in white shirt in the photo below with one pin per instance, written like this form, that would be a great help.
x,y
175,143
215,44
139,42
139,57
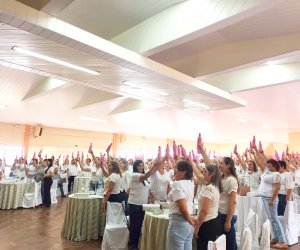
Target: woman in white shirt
x,y
139,191
114,181
228,201
48,174
72,173
181,223
160,184
125,182
286,187
268,189
208,227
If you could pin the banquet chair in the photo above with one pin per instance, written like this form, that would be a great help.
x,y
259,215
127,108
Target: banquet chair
x,y
53,191
37,193
28,200
265,236
289,223
254,226
219,244
246,239
116,233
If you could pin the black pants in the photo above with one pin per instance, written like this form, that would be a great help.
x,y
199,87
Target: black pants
x,y
209,230
70,183
47,196
136,218
61,187
125,201
281,204
230,235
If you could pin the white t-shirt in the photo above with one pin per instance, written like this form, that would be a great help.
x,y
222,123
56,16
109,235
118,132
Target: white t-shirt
x,y
183,189
211,192
31,170
125,181
96,174
49,170
268,179
229,185
286,182
72,170
159,185
254,180
116,178
138,191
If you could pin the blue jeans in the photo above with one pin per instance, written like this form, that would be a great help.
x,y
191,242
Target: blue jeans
x,y
273,217
180,233
230,235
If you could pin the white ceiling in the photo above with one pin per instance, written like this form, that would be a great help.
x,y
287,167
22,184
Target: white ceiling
x,y
272,107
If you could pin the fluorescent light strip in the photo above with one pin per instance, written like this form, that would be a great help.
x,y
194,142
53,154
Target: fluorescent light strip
x,y
146,89
196,104
91,119
242,120
53,60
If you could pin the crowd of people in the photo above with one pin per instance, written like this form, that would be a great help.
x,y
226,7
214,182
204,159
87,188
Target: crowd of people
x,y
179,180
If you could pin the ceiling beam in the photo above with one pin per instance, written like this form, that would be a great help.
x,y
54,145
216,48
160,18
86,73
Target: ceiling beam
x,y
236,55
132,105
51,7
94,97
43,88
187,21
256,77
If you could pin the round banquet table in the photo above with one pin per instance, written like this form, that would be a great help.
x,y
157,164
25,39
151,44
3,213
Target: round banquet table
x,y
84,218
81,184
12,193
154,231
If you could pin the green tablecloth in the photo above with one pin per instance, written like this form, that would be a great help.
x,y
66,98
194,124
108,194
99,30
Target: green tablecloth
x,y
154,232
12,193
84,218
81,184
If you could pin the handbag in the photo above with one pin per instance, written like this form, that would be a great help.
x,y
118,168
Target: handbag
x,y
61,181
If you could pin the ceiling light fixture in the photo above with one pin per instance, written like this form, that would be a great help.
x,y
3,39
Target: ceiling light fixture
x,y
271,63
91,119
53,60
242,120
158,92
265,126
196,104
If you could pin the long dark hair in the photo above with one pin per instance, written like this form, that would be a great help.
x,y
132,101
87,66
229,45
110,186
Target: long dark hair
x,y
229,162
215,176
135,170
115,168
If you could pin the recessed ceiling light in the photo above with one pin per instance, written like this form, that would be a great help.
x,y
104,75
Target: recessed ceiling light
x,y
146,89
196,104
53,60
242,120
91,119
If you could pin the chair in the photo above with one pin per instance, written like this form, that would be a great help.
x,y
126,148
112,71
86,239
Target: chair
x,y
31,199
289,223
246,239
219,244
116,233
265,236
37,193
28,200
254,226
53,190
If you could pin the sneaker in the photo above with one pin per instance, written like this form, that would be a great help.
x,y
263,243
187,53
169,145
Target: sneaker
x,y
280,245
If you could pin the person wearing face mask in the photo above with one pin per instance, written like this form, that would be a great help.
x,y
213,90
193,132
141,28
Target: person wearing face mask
x,y
139,191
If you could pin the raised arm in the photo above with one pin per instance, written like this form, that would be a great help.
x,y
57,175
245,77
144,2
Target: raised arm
x,y
154,168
